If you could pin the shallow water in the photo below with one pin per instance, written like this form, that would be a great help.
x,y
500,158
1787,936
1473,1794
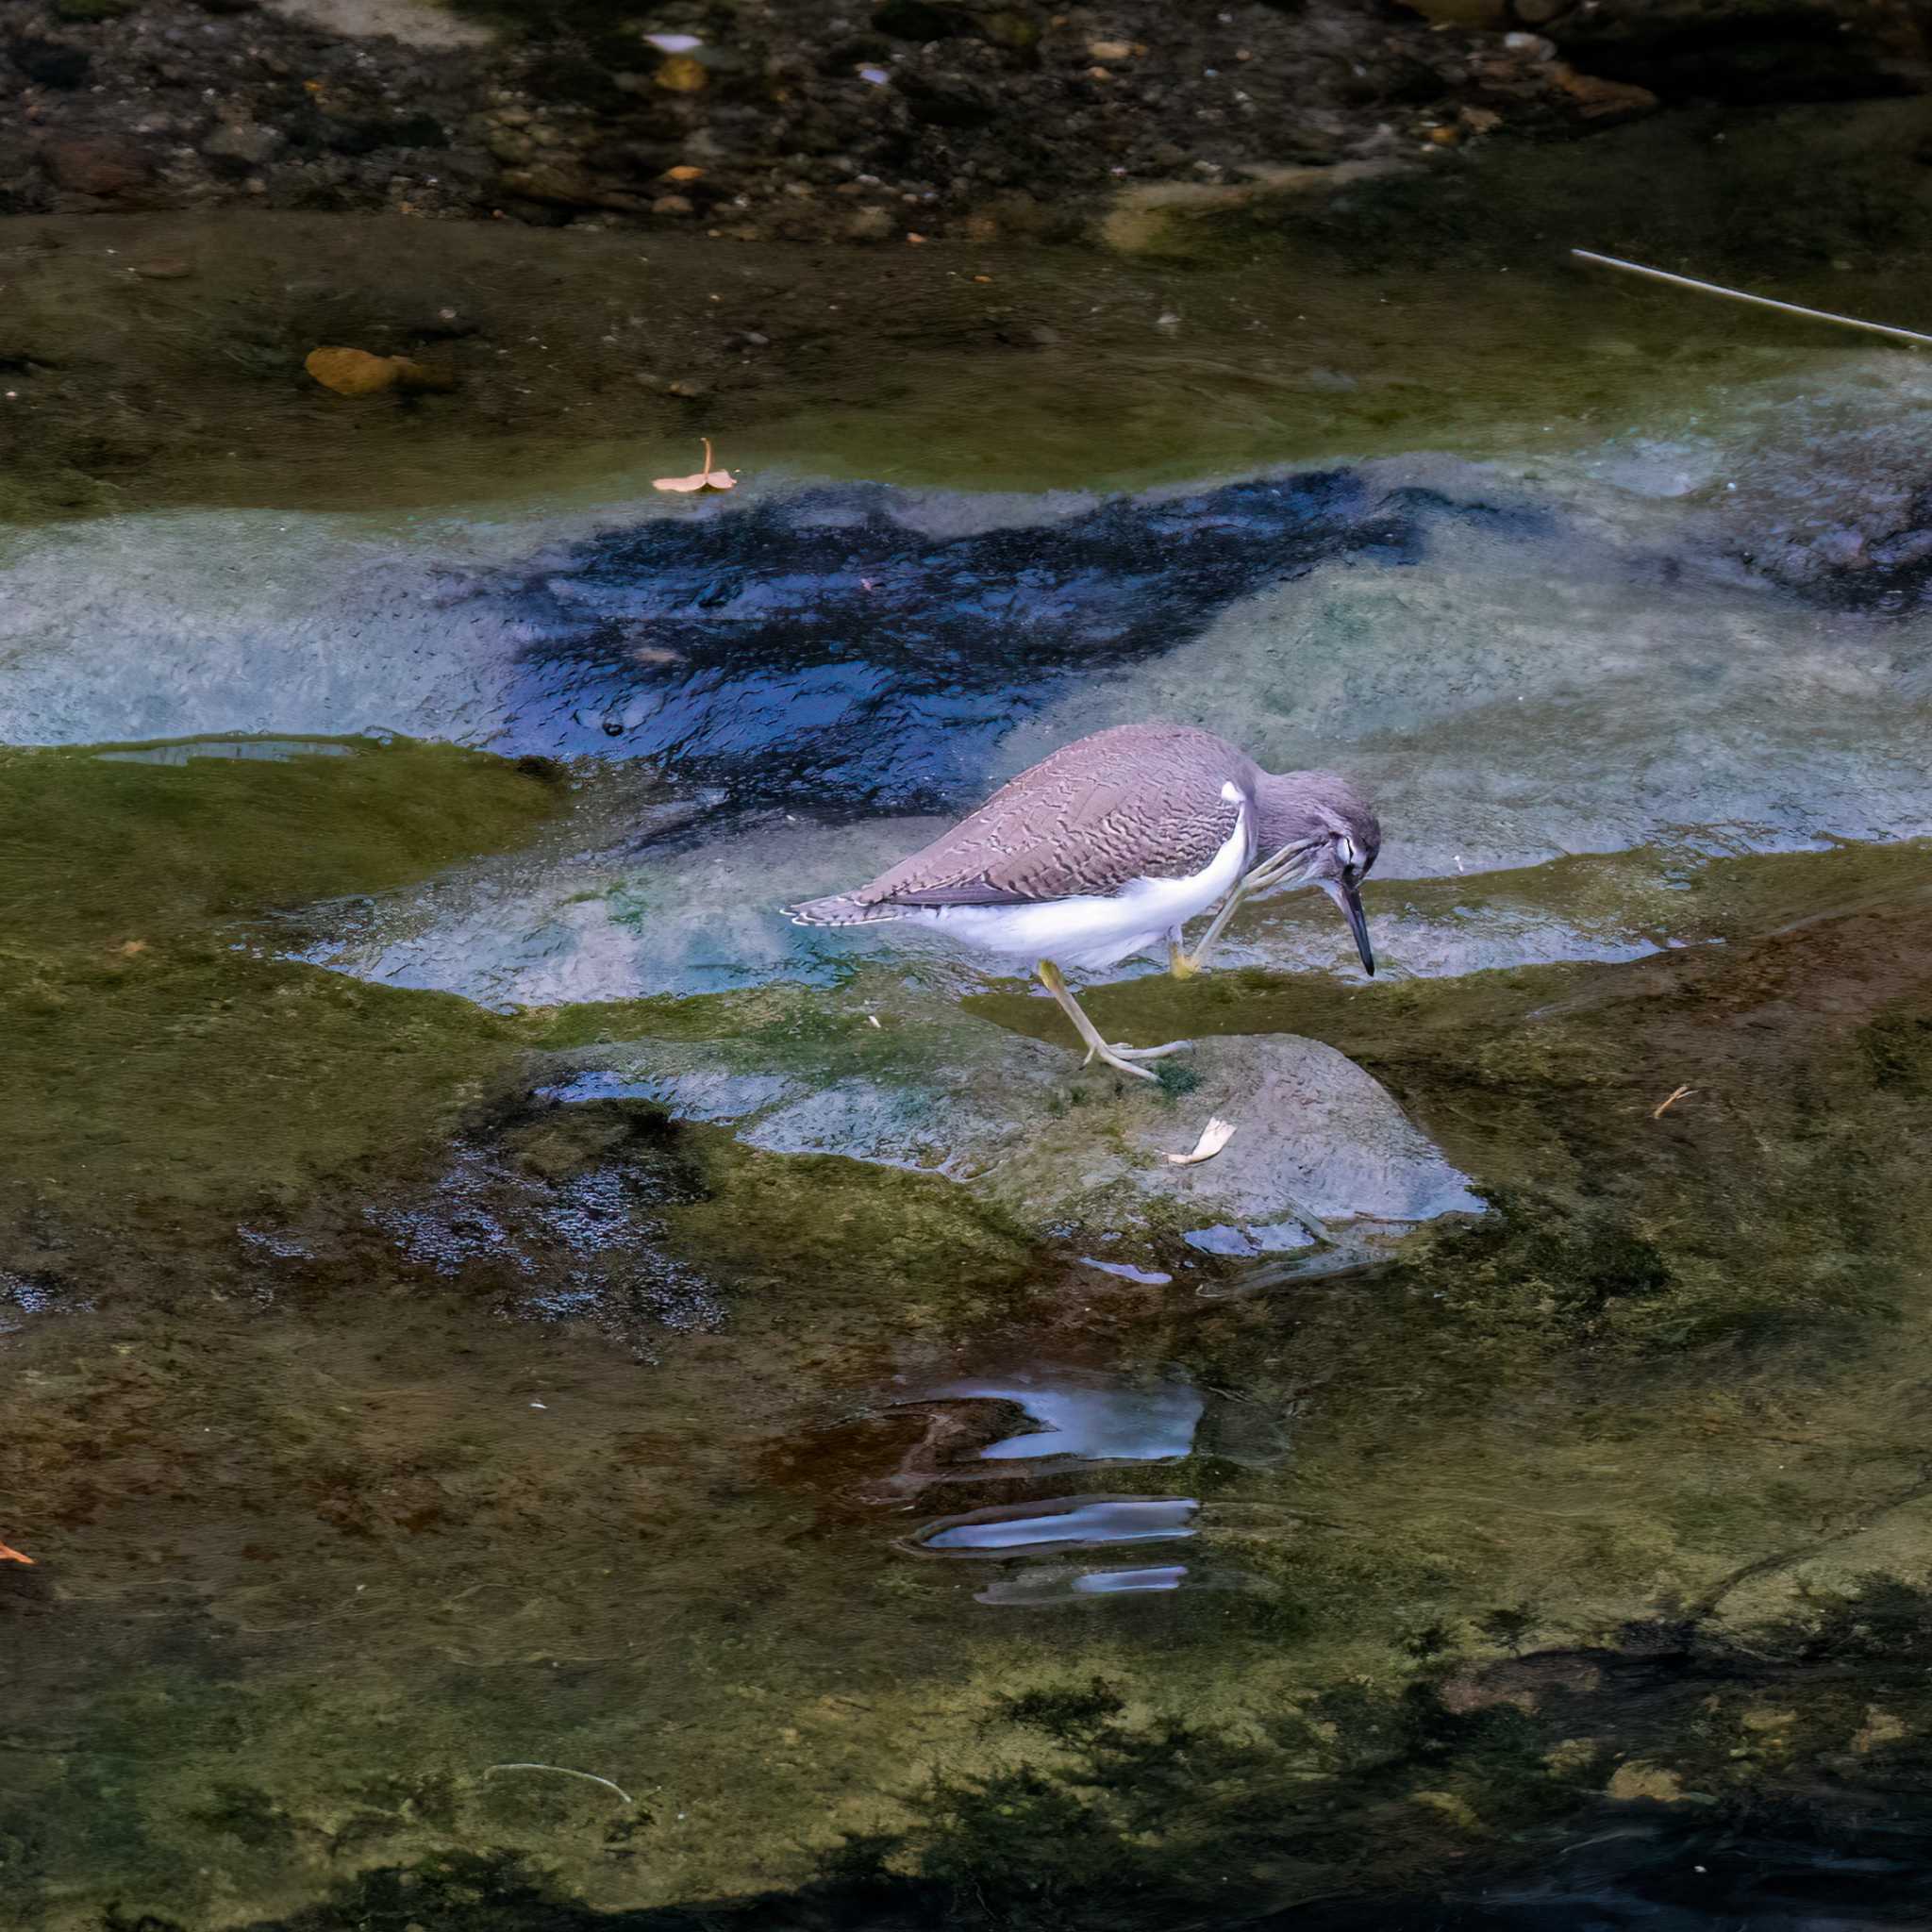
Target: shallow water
x,y
539,1394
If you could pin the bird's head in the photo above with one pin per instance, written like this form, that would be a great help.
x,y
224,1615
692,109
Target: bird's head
x,y
1332,836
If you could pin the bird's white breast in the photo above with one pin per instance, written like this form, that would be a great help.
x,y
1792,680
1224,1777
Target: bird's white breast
x,y
1093,931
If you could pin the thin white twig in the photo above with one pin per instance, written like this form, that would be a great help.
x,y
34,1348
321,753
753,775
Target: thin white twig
x,y
564,1771
1660,274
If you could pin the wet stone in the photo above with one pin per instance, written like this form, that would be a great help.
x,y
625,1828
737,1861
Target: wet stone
x,y
1319,1144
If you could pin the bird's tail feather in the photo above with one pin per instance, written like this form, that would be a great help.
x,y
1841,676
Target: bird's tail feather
x,y
842,908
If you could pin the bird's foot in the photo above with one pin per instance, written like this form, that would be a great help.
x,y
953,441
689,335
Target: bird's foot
x,y
1124,1057
1182,965
1118,1062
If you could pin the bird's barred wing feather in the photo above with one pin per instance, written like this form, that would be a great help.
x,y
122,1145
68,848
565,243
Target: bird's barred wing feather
x,y
1138,802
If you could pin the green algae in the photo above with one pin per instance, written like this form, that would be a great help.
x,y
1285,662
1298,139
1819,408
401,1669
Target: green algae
x,y
130,842
910,1243
156,1049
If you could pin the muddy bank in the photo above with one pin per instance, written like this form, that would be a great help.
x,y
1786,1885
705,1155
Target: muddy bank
x,y
817,122
912,120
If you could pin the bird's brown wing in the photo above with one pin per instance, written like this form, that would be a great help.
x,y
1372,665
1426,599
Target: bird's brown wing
x,y
1140,801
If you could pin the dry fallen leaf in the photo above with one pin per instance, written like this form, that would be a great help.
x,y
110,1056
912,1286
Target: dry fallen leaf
x,y
356,372
1214,1136
706,479
7,1555
351,372
1682,1093
685,172
681,74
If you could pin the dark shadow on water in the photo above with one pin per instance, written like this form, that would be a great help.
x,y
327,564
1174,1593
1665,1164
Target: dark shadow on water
x,y
1353,1811
828,648
1642,1870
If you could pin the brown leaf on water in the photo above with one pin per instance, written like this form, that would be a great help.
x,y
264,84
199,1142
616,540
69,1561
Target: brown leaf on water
x,y
352,371
356,372
706,479
7,1555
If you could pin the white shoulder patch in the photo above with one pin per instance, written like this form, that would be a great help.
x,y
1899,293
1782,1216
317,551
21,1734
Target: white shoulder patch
x,y
1233,793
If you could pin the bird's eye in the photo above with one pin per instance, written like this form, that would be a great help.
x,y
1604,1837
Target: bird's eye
x,y
1345,847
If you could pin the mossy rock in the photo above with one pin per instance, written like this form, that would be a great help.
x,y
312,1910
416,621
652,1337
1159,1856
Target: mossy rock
x,y
1317,1146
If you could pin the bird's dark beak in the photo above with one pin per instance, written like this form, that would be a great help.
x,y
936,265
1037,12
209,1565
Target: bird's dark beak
x,y
1345,896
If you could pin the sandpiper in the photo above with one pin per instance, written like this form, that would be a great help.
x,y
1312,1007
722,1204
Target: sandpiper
x,y
1112,844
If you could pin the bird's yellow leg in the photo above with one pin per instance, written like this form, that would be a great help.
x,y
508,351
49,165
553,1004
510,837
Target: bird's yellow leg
x,y
1120,1058
1185,965
1178,962
1271,872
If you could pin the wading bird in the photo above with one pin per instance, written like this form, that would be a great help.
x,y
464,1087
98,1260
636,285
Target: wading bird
x,y
1112,844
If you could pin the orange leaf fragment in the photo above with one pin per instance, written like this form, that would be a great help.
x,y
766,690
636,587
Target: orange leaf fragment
x,y
684,172
681,74
7,1555
706,479
356,372
351,372
1682,1093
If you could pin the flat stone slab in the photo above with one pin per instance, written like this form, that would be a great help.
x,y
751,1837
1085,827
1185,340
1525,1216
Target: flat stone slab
x,y
1319,1144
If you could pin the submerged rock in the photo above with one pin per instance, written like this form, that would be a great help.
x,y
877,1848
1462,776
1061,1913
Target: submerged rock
x,y
1019,1123
859,647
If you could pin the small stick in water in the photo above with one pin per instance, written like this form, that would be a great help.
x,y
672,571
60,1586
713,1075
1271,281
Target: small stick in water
x,y
1660,274
564,1771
